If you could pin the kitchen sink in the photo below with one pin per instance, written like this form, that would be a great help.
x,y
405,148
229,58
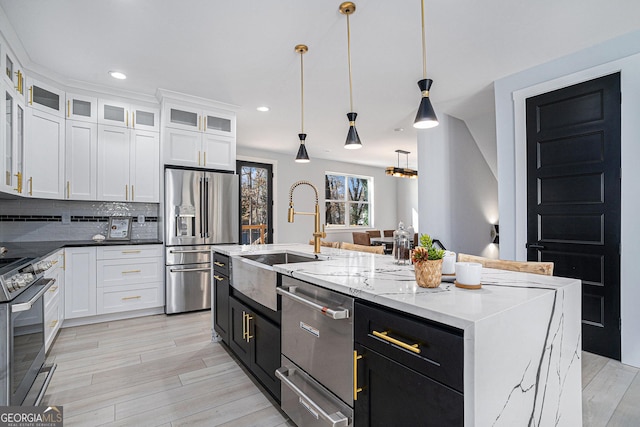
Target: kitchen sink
x,y
280,258
253,274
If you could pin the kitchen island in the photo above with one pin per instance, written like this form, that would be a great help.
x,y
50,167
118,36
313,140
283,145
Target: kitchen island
x,y
521,332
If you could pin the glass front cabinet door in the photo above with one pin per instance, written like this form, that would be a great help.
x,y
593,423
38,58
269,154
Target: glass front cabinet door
x,y
81,108
12,144
45,97
122,114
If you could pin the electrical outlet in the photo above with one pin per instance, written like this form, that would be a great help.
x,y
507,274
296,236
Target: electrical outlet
x,y
66,218
140,219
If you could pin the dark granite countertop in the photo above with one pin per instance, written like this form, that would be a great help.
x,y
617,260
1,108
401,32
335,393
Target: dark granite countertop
x,y
42,249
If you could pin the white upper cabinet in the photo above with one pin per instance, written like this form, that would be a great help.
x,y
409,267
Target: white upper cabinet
x,y
82,108
199,137
11,142
114,113
44,155
128,165
13,75
81,160
45,97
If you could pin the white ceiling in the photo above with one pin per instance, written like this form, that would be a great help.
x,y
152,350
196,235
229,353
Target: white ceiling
x,y
242,53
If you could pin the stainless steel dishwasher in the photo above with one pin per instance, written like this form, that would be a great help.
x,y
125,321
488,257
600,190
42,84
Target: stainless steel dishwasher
x,y
317,355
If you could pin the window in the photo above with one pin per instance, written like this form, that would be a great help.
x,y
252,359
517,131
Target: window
x,y
348,200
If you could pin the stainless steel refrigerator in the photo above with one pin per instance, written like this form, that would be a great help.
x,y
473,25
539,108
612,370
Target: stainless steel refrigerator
x,y
201,209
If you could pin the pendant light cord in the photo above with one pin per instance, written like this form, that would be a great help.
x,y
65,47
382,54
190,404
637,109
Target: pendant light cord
x,y
424,46
349,57
301,94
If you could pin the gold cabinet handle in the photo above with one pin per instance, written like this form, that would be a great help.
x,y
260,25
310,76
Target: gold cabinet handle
x,y
53,323
128,298
20,87
218,263
356,390
68,108
31,186
244,325
204,163
199,120
198,158
19,189
133,194
126,113
135,251
133,119
249,319
64,260
383,335
131,271
53,288
31,95
68,190
218,278
126,192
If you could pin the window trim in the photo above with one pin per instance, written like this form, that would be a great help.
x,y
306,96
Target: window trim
x,y
370,202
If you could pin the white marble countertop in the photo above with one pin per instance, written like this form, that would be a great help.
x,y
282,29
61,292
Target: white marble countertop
x,y
378,279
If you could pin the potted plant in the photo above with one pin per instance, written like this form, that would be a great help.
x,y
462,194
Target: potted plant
x,y
427,262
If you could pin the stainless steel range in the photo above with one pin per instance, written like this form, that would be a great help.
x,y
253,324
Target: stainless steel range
x,y
24,378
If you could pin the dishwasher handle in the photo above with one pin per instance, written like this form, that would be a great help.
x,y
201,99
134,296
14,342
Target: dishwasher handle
x,y
337,419
334,314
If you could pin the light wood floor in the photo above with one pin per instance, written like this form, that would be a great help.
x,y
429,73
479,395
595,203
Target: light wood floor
x,y
164,371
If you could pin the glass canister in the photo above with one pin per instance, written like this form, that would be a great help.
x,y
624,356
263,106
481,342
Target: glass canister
x,y
401,245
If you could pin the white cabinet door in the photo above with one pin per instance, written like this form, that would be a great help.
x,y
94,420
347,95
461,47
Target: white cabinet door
x,y
145,166
182,148
44,155
113,163
13,74
219,152
219,123
113,113
178,117
80,282
81,154
44,97
82,108
145,118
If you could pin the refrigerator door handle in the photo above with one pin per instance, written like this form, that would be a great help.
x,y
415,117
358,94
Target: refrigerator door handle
x,y
206,207
201,197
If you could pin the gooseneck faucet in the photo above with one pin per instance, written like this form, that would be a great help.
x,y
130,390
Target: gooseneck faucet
x,y
317,234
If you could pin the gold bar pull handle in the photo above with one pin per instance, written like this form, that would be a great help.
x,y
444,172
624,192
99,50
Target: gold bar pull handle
x,y
204,123
126,113
218,278
133,194
198,158
204,163
31,95
53,288
249,319
384,336
19,188
133,119
126,191
199,120
244,325
131,271
133,297
356,390
218,263
31,186
68,108
131,252
53,324
68,189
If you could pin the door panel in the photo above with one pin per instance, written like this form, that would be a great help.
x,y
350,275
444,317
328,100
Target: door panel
x,y
573,205
256,202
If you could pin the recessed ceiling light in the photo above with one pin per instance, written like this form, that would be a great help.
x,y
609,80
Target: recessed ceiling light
x,y
117,75
263,108
399,129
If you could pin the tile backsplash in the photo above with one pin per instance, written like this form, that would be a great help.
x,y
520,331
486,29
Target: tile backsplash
x,y
29,220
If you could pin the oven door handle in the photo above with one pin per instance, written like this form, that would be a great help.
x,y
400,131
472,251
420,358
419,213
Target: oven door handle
x,y
185,270
337,419
24,306
334,314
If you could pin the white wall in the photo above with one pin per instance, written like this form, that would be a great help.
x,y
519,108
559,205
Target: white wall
x,y
620,54
287,171
407,202
458,193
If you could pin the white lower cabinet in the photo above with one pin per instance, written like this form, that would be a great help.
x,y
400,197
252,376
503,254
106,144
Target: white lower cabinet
x,y
80,281
53,301
114,279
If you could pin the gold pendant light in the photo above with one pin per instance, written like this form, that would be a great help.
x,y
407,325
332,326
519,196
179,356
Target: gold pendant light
x,y
353,140
426,116
302,156
402,172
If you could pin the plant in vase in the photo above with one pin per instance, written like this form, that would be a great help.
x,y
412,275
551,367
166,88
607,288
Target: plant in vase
x,y
427,262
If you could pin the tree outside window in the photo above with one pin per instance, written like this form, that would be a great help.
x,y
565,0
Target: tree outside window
x,y
347,200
